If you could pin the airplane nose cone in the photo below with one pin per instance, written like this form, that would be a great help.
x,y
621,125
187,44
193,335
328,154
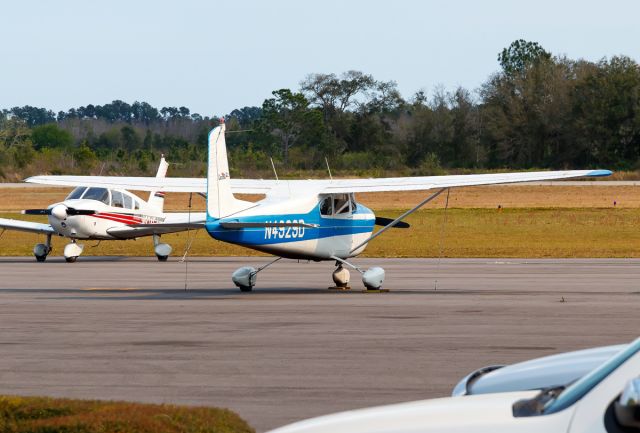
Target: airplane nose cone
x,y
60,212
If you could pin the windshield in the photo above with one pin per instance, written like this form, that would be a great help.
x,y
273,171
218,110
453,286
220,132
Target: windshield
x,y
100,194
76,193
582,386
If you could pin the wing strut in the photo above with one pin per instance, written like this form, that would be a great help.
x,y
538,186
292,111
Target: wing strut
x,y
397,220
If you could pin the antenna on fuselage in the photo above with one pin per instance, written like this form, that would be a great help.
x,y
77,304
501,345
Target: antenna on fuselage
x,y
274,169
328,168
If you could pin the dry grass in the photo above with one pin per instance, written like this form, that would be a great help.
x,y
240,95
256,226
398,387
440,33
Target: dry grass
x,y
41,414
521,232
535,221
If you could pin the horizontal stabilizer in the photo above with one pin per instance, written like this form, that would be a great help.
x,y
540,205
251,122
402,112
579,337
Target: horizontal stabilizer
x,y
245,225
380,221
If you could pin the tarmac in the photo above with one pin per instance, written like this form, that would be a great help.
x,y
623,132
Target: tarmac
x,y
126,328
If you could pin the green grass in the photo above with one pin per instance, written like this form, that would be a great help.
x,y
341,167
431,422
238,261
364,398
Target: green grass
x,y
49,415
524,232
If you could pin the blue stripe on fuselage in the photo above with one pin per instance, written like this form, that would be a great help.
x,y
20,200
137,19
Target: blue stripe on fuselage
x,y
276,235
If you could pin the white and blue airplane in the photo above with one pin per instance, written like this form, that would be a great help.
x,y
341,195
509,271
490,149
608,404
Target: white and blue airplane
x,y
317,220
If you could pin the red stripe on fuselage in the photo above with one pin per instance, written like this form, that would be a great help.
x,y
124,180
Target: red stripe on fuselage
x,y
121,218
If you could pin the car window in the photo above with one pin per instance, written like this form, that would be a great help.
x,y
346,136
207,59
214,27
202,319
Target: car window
x,y
100,194
128,202
325,206
116,199
76,193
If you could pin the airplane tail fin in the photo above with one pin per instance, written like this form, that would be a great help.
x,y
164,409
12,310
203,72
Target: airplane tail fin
x,y
156,198
220,200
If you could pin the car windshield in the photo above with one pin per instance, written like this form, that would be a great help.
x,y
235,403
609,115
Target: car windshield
x,y
582,386
76,193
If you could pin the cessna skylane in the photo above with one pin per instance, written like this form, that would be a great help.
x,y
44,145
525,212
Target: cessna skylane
x,y
317,220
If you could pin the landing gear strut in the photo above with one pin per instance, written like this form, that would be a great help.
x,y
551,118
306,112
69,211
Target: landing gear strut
x,y
372,277
162,250
246,276
72,251
41,251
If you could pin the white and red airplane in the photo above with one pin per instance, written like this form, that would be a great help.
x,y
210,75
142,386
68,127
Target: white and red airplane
x,y
97,212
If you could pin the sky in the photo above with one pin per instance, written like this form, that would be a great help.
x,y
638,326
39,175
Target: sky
x,y
213,56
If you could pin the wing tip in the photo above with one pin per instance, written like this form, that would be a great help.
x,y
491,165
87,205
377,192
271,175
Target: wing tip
x,y
599,173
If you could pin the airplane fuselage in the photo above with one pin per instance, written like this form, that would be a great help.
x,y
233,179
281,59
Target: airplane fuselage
x,y
101,224
333,234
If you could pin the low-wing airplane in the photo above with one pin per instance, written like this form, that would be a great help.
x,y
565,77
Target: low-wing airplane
x,y
101,213
301,219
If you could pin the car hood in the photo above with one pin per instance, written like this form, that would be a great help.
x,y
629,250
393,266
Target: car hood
x,y
452,414
545,372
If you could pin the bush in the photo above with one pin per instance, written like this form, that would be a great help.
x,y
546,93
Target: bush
x,y
41,414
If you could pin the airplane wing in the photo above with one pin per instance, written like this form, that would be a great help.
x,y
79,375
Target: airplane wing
x,y
288,187
174,223
433,182
167,184
26,226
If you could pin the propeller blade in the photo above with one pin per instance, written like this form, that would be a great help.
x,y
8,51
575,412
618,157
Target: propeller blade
x,y
36,212
380,221
74,211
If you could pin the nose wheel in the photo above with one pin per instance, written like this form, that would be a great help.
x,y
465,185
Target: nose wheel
x,y
341,277
72,251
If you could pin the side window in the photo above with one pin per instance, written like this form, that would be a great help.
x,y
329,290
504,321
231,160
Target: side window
x,y
325,206
341,204
137,204
100,194
76,193
116,199
128,201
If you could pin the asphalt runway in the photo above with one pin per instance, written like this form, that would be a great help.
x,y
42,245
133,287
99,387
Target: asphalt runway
x,y
116,328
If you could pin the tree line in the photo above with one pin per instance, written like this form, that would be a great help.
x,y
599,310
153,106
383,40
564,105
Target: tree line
x,y
537,111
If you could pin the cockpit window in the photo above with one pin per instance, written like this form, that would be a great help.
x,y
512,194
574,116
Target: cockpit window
x,y
127,201
76,193
137,204
100,194
325,206
341,204
116,199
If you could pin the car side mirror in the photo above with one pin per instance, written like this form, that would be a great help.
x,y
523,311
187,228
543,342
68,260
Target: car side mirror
x,y
627,408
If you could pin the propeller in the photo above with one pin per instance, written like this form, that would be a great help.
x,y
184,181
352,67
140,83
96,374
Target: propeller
x,y
380,221
59,211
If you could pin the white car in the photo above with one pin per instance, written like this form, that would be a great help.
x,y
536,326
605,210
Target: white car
x,y
605,400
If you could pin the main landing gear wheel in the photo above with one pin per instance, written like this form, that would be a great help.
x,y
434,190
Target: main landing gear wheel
x,y
246,276
162,250
41,251
71,259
